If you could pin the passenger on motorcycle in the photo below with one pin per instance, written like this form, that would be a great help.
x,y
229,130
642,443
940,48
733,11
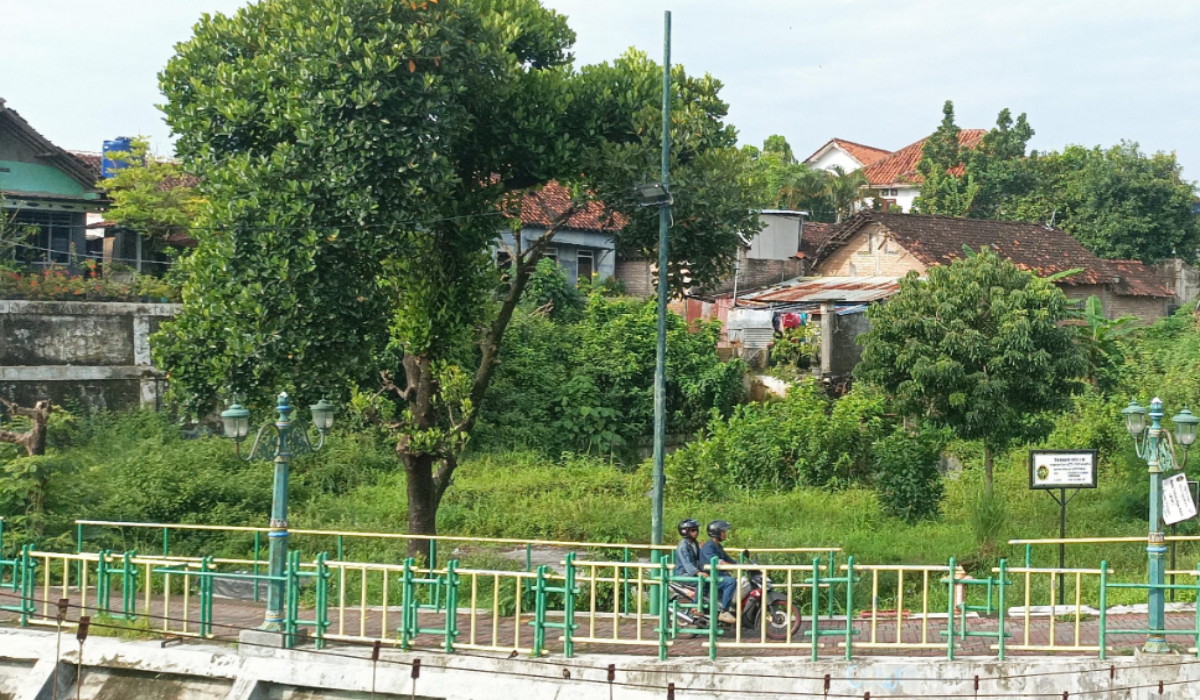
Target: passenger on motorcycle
x,y
718,530
687,554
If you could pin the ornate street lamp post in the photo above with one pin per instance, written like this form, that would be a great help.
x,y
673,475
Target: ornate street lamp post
x,y
1154,445
278,441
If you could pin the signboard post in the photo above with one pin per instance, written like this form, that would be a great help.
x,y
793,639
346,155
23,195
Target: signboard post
x,y
1059,470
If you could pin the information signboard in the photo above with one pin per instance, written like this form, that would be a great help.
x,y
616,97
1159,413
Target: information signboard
x,y
1177,499
1062,469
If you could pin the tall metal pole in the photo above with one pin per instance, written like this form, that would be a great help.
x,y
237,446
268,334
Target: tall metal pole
x,y
660,361
278,534
1156,547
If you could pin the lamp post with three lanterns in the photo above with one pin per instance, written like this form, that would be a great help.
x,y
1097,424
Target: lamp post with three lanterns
x,y
1157,448
278,441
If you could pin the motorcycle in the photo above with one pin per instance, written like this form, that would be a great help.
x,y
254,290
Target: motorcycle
x,y
783,617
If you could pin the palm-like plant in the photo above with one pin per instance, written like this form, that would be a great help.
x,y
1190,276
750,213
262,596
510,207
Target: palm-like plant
x,y
845,190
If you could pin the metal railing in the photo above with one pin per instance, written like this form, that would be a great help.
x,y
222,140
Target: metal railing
x,y
602,604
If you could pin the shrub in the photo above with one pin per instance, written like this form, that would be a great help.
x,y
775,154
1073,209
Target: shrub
x,y
803,439
587,386
907,479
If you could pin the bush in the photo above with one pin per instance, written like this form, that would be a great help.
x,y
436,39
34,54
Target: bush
x,y
587,386
907,479
803,439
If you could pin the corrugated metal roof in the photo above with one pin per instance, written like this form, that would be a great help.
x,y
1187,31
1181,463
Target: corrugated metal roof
x,y
816,289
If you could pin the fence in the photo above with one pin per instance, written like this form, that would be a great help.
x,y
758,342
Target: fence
x,y
600,603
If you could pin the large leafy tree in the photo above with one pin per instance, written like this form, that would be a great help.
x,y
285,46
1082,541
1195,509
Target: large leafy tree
x,y
946,189
978,348
977,182
1118,202
782,181
359,159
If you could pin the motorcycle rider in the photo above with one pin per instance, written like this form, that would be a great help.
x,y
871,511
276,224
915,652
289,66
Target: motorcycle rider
x,y
687,554
718,531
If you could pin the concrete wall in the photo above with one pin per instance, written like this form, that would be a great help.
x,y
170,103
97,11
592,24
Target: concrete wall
x,y
97,353
197,669
840,351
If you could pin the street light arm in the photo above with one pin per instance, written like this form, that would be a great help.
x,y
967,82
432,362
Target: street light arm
x,y
266,443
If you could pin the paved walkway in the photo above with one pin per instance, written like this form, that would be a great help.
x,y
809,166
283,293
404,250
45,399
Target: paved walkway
x,y
481,630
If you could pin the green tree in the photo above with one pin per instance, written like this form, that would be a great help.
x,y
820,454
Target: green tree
x,y
845,190
1118,202
357,157
782,182
997,167
947,190
977,348
153,196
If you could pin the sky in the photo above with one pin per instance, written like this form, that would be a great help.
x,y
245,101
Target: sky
x,y
1090,72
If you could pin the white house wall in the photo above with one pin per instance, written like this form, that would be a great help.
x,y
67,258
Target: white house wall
x,y
834,157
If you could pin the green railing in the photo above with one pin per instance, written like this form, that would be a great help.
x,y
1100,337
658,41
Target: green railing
x,y
557,608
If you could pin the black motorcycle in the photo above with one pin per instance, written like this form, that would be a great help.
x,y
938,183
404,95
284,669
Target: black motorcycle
x,y
782,615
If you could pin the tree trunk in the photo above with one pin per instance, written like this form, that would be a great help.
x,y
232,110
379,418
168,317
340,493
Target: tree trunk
x,y
988,464
423,499
34,440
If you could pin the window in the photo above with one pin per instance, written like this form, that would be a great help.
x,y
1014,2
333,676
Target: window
x,y
51,236
551,253
587,265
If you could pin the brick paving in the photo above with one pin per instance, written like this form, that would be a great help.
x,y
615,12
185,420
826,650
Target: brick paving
x,y
359,624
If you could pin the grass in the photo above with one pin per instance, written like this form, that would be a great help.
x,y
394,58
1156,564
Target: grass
x,y
136,467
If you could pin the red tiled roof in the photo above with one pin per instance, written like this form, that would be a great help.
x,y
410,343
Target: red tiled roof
x,y
543,208
939,240
1140,280
901,166
90,159
861,152
813,237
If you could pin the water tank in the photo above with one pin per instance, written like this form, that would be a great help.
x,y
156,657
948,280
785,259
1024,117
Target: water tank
x,y
108,166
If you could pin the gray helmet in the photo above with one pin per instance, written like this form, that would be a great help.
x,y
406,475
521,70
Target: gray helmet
x,y
687,524
716,527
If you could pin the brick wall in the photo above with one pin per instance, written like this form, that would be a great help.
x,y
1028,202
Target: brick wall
x,y
869,253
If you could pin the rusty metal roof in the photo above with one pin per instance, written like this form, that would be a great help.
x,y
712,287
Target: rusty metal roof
x,y
817,289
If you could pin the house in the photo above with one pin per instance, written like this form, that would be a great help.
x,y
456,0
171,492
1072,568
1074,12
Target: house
x,y
585,246
846,155
874,244
767,258
45,190
892,176
894,179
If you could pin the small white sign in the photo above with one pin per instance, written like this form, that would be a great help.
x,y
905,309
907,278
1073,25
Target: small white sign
x,y
1177,500
1062,469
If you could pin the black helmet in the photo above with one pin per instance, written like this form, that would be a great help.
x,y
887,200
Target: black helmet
x,y
687,524
716,527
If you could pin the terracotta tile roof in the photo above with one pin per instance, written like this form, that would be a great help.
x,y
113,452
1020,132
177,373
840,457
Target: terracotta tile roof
x,y
938,240
863,153
540,209
90,159
1141,280
814,236
901,166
